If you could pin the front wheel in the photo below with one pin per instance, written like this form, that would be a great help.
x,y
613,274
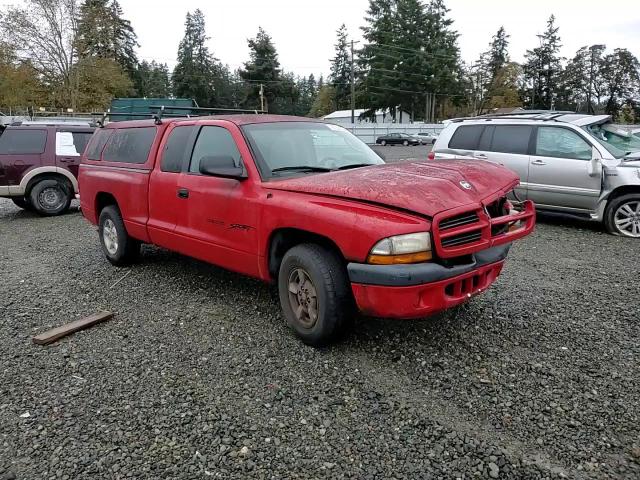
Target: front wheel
x,y
622,216
315,293
119,248
406,143
383,143
51,197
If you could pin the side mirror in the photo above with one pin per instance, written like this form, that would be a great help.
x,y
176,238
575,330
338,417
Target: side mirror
x,y
221,166
594,168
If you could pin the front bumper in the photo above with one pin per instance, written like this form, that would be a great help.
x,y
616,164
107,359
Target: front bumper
x,y
418,290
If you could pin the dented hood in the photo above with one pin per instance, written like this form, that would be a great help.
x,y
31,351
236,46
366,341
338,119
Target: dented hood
x,y
426,188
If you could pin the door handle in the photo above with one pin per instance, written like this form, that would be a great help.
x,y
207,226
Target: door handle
x,y
481,156
183,193
538,162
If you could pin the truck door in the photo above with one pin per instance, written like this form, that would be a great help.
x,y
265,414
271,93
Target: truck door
x,y
558,173
165,204
218,216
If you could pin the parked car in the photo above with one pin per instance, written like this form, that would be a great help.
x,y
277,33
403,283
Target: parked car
x,y
308,206
398,139
563,165
427,138
39,165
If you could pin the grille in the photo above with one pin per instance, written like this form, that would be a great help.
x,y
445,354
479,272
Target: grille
x,y
462,239
466,218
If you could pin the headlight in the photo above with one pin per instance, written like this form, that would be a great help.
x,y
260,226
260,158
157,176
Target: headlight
x,y
410,248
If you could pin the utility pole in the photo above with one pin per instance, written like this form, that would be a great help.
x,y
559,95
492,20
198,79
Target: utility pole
x,y
353,89
262,98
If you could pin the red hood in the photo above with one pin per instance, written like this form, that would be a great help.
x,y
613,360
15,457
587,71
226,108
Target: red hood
x,y
423,187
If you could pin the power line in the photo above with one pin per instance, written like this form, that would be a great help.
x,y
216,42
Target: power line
x,y
417,52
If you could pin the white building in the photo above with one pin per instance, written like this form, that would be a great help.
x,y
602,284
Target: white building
x,y
343,117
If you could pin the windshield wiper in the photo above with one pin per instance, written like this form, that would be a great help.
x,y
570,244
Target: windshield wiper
x,y
302,168
355,165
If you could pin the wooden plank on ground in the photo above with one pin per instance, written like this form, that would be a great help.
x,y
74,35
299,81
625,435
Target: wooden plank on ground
x,y
64,330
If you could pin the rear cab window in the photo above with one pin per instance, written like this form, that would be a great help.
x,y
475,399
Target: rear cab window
x,y
23,142
129,145
99,140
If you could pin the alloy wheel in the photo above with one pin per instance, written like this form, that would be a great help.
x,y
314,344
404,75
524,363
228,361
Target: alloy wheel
x,y
627,219
303,298
110,236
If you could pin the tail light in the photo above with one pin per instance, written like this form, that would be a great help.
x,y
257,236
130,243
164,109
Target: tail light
x,y
431,156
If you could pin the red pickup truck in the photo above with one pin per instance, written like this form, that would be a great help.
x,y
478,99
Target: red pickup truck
x,y
307,205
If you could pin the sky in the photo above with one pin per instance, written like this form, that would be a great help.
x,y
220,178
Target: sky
x,y
304,30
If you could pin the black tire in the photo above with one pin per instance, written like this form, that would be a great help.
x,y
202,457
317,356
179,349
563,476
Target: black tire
x,y
383,143
614,208
126,249
51,197
22,202
405,143
334,303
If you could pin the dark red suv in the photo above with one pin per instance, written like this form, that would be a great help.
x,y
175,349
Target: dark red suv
x,y
39,165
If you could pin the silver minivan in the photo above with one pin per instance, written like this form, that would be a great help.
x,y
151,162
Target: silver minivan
x,y
565,162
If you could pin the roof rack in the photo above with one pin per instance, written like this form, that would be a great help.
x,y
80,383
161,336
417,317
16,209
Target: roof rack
x,y
158,112
542,115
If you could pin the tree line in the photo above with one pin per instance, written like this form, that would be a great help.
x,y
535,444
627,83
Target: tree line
x,y
80,54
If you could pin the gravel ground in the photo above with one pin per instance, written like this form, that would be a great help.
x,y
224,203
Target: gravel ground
x,y
197,376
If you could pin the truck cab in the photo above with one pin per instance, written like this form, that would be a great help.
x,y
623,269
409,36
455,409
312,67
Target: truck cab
x,y
308,206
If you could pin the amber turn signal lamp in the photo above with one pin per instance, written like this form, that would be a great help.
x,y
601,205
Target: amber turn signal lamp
x,y
417,257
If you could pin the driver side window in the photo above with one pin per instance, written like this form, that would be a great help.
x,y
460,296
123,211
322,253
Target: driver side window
x,y
562,143
214,142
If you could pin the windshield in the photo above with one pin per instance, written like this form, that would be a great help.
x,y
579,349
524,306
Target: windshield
x,y
294,148
617,145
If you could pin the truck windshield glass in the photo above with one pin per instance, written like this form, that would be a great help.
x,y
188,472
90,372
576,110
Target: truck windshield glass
x,y
282,147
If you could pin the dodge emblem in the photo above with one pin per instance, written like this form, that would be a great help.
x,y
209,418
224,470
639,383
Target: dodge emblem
x,y
465,185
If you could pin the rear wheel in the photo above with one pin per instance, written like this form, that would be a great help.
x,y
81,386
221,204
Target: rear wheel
x,y
406,143
119,248
315,293
623,216
383,143
22,202
51,196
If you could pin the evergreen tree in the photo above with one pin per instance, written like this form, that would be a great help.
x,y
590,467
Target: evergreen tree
x,y
498,54
263,68
152,80
375,59
543,70
441,46
341,70
196,72
104,33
